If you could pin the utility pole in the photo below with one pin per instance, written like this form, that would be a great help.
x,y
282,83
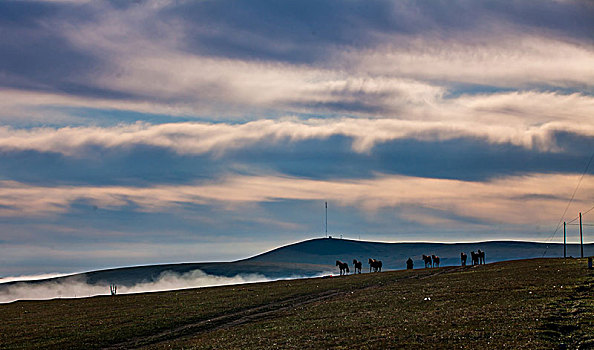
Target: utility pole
x,y
564,241
326,219
581,237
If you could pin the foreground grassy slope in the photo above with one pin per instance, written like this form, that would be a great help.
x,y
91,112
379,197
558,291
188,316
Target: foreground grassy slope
x,y
539,303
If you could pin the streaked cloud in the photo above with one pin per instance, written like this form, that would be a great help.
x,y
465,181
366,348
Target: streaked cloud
x,y
528,120
493,201
515,60
401,66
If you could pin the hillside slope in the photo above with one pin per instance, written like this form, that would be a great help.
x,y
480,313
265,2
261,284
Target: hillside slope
x,y
524,304
129,276
317,256
394,255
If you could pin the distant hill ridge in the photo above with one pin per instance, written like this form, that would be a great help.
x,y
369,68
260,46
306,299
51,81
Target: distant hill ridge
x,y
394,255
316,256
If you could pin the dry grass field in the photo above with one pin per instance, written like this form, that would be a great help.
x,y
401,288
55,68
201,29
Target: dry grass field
x,y
535,304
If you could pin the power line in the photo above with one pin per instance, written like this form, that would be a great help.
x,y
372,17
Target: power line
x,y
568,204
577,217
587,211
572,220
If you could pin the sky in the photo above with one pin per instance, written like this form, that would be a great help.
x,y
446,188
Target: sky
x,y
154,131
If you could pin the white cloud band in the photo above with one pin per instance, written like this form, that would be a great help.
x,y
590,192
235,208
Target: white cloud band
x,y
524,119
506,200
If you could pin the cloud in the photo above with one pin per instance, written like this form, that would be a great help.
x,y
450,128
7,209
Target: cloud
x,y
77,287
328,158
515,60
75,247
152,57
494,201
31,277
528,120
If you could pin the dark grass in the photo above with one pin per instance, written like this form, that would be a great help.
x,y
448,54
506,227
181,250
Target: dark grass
x,y
517,304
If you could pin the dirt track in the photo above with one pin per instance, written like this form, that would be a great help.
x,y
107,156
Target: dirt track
x,y
256,313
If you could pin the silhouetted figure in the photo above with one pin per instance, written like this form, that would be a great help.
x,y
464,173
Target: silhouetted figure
x,y
375,264
344,267
435,261
358,265
113,289
409,264
427,260
475,258
463,258
481,257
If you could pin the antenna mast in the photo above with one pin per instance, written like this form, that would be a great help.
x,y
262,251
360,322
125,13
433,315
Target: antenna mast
x,y
581,237
326,219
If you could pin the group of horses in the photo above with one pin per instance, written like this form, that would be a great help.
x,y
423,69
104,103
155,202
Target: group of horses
x,y
431,260
478,258
376,265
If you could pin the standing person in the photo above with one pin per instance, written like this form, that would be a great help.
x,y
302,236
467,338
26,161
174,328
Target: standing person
x,y
409,264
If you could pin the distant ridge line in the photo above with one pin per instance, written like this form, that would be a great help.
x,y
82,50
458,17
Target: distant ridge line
x,y
317,255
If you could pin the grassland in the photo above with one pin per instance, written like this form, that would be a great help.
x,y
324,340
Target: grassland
x,y
539,303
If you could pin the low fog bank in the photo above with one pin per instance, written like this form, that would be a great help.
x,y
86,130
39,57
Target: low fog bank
x,y
77,287
33,277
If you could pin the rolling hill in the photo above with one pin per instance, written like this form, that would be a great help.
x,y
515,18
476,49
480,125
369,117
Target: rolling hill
x,y
317,256
394,255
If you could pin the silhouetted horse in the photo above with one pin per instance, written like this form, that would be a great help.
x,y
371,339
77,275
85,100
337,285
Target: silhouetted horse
x,y
410,264
435,259
481,257
358,265
344,267
463,258
427,260
375,264
475,258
